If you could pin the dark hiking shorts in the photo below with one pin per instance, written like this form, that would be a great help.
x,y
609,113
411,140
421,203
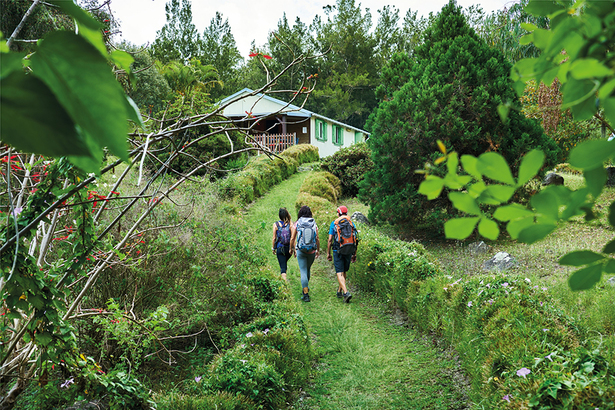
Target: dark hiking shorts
x,y
341,262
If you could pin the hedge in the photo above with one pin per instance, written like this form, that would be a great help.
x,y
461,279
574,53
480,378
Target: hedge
x,y
263,172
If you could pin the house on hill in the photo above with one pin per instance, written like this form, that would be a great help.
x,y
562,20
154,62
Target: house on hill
x,y
280,125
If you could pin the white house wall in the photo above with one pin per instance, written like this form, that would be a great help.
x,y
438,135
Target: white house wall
x,y
327,148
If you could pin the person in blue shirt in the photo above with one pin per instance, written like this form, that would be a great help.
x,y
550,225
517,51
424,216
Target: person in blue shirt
x,y
341,262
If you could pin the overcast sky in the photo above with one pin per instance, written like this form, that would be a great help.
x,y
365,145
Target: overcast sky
x,y
253,20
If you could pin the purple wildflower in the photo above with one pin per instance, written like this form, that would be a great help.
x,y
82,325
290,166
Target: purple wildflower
x,y
17,211
198,378
507,398
67,383
524,371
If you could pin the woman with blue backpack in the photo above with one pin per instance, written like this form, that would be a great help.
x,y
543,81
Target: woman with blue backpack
x,y
306,244
282,232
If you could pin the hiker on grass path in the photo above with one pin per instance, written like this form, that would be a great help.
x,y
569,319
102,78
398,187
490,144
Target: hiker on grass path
x,y
343,240
306,244
282,232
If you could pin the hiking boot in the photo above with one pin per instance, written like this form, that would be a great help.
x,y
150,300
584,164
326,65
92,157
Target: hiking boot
x,y
347,297
339,294
305,297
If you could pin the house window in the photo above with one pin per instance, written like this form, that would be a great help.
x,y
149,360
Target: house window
x,y
358,137
338,135
321,130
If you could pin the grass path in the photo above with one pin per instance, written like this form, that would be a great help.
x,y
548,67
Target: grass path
x,y
366,357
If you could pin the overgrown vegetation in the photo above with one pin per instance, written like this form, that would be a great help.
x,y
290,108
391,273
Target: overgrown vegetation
x,y
520,340
263,172
449,90
350,165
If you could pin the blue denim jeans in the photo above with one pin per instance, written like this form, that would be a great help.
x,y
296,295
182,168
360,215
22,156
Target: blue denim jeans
x,y
305,261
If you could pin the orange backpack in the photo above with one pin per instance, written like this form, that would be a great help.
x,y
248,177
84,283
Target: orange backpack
x,y
346,235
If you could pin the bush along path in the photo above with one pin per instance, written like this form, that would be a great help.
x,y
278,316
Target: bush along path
x,y
365,357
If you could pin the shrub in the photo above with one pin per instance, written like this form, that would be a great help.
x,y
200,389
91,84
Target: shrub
x,y
249,373
215,400
388,266
501,324
303,153
349,165
565,167
263,172
455,83
322,184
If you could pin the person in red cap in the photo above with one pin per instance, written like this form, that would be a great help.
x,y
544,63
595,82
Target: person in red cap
x,y
343,241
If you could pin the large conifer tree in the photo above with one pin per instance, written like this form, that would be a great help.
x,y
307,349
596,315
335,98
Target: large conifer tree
x,y
451,90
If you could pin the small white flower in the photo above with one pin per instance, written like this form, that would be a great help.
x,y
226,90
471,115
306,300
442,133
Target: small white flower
x,y
527,280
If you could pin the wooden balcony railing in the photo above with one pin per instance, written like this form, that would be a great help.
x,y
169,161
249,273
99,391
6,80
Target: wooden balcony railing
x,y
275,142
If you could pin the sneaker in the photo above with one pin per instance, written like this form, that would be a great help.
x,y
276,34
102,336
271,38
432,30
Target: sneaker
x,y
305,297
339,294
347,297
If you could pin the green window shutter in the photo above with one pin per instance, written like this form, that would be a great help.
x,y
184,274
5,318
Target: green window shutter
x,y
321,130
338,135
357,137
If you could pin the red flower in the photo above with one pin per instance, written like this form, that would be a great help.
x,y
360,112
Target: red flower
x,y
253,54
267,57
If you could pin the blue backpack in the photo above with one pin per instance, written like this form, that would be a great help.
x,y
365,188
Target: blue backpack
x,y
306,234
283,234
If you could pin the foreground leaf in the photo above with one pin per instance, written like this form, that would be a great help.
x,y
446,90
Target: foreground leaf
x,y
530,165
536,232
585,278
512,212
464,202
29,108
80,78
495,167
515,227
580,258
488,229
591,154
431,187
460,228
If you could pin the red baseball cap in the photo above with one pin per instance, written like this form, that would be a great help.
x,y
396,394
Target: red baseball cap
x,y
342,210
